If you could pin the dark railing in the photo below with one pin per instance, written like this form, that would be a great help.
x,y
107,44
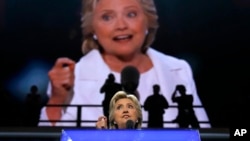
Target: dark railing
x,y
79,113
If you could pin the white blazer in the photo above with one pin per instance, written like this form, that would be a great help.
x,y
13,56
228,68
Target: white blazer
x,y
91,72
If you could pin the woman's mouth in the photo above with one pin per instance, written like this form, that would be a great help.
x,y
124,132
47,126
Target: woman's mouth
x,y
125,116
122,38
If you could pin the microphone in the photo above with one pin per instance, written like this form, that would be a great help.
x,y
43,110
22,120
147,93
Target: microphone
x,y
130,79
129,124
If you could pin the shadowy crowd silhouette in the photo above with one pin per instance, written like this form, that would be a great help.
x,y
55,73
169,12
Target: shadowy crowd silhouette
x,y
155,104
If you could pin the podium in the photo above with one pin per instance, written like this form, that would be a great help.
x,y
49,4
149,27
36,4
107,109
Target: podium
x,y
130,135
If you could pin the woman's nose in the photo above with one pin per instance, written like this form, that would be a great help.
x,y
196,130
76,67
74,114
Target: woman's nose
x,y
125,110
121,23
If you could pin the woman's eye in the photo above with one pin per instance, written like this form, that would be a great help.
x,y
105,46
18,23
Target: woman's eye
x,y
119,107
106,17
130,106
132,14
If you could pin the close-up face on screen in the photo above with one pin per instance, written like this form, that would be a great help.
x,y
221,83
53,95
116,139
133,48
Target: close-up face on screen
x,y
124,64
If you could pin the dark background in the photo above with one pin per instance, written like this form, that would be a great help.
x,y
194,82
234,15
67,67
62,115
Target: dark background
x,y
212,35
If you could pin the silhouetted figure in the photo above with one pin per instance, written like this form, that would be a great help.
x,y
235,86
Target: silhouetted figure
x,y
33,103
186,115
155,105
130,80
110,87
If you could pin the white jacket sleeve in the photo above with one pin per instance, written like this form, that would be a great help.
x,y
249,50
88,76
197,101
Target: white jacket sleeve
x,y
66,115
44,117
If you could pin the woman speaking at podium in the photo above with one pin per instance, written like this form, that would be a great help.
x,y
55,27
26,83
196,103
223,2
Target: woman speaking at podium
x,y
125,113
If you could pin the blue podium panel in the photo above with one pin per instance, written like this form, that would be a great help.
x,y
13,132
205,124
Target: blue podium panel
x,y
131,135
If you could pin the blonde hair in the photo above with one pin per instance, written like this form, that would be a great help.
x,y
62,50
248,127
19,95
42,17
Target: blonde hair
x,y
87,15
120,95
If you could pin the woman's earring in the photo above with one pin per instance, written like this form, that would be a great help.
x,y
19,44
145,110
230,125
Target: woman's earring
x,y
115,124
146,32
95,37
